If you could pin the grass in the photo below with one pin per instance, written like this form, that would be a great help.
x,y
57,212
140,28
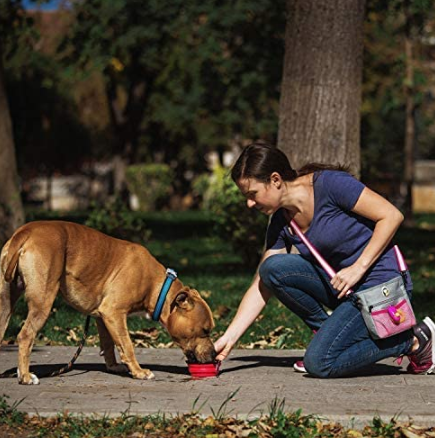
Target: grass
x,y
277,424
185,242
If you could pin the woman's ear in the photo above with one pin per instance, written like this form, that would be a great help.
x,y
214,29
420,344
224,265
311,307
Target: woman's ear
x,y
276,179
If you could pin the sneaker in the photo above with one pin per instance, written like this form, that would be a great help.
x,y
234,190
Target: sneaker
x,y
422,361
299,366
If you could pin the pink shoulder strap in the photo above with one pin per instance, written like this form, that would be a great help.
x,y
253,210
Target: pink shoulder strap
x,y
325,265
400,259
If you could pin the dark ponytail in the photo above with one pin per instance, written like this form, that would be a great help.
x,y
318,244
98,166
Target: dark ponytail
x,y
260,160
315,167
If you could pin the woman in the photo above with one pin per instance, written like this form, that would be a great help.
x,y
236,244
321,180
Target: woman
x,y
352,227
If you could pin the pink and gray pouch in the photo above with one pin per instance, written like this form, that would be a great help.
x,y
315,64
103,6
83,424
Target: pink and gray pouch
x,y
386,308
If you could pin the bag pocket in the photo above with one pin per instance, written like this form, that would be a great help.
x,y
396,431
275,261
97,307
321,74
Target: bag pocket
x,y
386,309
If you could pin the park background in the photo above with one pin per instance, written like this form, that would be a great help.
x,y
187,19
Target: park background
x,y
126,115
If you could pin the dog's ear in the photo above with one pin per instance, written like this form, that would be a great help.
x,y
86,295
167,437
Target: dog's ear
x,y
183,301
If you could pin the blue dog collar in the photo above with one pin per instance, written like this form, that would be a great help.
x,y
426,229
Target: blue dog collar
x,y
171,275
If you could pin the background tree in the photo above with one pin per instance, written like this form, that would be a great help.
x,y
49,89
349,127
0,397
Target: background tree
x,y
321,86
49,138
182,78
11,208
398,106
221,84
170,84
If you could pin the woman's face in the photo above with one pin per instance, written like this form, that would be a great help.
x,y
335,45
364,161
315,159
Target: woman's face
x,y
265,197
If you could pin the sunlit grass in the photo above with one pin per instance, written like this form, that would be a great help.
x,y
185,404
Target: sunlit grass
x,y
278,422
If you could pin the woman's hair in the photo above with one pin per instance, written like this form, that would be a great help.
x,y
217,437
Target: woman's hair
x,y
260,160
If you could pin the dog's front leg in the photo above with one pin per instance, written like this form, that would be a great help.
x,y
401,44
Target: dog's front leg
x,y
108,349
116,325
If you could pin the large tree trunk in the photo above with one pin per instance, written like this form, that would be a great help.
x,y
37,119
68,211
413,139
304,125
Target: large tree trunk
x,y
11,207
321,87
410,118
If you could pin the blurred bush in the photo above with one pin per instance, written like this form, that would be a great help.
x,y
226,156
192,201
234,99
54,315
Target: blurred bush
x,y
234,221
151,183
115,219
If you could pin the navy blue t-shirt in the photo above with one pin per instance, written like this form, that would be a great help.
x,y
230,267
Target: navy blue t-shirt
x,y
335,231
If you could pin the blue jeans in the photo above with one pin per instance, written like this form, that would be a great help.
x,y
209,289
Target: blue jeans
x,y
342,344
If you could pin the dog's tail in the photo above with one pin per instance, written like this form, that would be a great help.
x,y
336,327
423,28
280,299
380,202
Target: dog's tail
x,y
10,290
11,253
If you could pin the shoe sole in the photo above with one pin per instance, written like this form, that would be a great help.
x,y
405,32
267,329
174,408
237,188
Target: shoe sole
x,y
299,369
431,326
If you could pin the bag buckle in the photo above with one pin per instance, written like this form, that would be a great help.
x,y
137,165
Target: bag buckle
x,y
385,291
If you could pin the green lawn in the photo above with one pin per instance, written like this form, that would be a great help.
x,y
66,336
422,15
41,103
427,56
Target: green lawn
x,y
185,242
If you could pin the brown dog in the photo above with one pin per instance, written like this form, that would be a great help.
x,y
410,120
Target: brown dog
x,y
100,276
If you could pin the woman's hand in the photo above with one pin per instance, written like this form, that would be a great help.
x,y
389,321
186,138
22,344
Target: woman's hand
x,y
223,346
387,219
346,278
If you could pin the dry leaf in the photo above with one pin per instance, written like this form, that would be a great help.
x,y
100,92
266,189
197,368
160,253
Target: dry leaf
x,y
408,433
73,336
221,311
353,434
205,293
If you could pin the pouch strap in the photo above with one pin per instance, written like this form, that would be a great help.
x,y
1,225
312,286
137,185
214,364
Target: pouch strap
x,y
400,259
323,263
326,266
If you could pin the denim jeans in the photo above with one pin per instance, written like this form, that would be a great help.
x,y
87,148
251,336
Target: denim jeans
x,y
342,344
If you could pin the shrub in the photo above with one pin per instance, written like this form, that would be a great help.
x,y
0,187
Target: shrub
x,y
234,221
151,183
200,188
115,219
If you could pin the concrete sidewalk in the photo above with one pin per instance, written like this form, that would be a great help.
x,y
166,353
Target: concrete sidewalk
x,y
257,376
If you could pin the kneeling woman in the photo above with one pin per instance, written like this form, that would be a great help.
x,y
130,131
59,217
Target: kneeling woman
x,y
352,227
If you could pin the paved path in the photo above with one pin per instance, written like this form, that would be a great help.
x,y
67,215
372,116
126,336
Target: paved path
x,y
258,376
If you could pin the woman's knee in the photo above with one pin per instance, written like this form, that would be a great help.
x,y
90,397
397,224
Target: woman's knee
x,y
269,270
279,266
316,366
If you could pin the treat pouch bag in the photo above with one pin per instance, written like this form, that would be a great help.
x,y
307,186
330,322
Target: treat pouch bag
x,y
386,308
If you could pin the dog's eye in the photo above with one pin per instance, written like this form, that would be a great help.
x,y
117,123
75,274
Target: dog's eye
x,y
206,332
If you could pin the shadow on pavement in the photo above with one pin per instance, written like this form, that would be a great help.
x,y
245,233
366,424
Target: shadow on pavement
x,y
271,361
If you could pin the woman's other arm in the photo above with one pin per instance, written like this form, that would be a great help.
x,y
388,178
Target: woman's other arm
x,y
387,219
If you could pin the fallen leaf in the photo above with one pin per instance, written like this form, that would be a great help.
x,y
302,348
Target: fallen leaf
x,y
409,434
221,311
205,293
353,434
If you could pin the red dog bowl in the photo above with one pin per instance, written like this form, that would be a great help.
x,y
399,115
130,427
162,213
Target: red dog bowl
x,y
201,370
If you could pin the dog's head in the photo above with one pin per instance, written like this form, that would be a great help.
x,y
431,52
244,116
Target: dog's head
x,y
190,323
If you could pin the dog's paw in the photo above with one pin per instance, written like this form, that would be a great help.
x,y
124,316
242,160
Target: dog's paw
x,y
118,368
144,375
31,380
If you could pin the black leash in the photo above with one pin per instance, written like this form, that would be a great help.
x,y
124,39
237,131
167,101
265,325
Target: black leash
x,y
68,367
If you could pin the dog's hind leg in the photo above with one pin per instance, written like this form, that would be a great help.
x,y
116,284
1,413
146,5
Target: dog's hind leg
x,y
5,307
39,301
108,349
9,294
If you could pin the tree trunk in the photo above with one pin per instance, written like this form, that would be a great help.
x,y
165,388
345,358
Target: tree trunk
x,y
11,207
321,88
410,119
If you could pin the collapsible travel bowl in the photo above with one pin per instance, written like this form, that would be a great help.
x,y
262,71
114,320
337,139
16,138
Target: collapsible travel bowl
x,y
201,370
